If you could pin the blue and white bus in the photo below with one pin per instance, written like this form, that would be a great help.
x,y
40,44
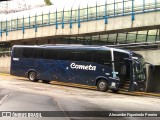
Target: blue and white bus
x,y
101,66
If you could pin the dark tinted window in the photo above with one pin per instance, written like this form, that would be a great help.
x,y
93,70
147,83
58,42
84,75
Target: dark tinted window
x,y
51,54
84,55
18,52
66,54
27,52
119,56
119,63
102,57
38,53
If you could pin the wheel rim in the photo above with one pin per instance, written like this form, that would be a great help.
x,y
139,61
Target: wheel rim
x,y
32,76
102,85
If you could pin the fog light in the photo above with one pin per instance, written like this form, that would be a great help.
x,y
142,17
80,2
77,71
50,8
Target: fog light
x,y
113,84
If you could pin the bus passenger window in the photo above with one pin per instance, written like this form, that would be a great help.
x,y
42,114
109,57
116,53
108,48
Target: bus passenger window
x,y
84,55
38,53
102,57
51,54
66,54
27,52
18,52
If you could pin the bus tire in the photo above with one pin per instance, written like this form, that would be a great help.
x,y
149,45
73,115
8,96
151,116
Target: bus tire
x,y
32,76
46,81
102,85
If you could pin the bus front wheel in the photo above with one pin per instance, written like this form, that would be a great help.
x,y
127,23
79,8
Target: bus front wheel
x,y
32,76
102,85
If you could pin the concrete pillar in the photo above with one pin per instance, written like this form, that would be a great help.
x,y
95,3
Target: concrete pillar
x,y
153,83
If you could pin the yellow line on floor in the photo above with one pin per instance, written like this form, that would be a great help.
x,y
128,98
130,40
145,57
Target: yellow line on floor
x,y
73,85
140,93
94,87
5,74
148,93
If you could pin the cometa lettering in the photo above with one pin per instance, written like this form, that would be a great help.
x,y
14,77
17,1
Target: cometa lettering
x,y
82,67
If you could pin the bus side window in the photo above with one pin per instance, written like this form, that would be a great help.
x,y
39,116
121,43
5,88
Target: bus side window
x,y
102,57
66,54
27,52
38,53
51,54
119,61
18,52
84,55
119,56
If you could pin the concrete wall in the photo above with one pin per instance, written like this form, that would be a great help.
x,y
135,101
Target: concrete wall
x,y
151,56
118,24
153,72
5,64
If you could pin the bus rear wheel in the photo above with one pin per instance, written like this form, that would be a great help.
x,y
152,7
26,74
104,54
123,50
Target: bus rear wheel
x,y
102,85
32,76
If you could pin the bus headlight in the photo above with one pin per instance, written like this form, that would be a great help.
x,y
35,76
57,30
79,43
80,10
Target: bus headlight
x,y
113,84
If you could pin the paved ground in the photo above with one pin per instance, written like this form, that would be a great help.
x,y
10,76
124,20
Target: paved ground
x,y
19,94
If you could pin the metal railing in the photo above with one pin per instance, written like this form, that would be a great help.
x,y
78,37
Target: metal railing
x,y
5,53
59,19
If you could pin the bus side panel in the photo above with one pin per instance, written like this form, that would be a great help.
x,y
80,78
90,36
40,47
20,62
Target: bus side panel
x,y
45,69
86,72
21,66
69,71
48,69
17,67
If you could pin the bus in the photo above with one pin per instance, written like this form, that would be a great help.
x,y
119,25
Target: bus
x,y
101,66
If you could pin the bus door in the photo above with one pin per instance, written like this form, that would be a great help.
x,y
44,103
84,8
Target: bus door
x,y
125,74
124,68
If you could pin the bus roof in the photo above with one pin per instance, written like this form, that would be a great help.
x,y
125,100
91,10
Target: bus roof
x,y
73,46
